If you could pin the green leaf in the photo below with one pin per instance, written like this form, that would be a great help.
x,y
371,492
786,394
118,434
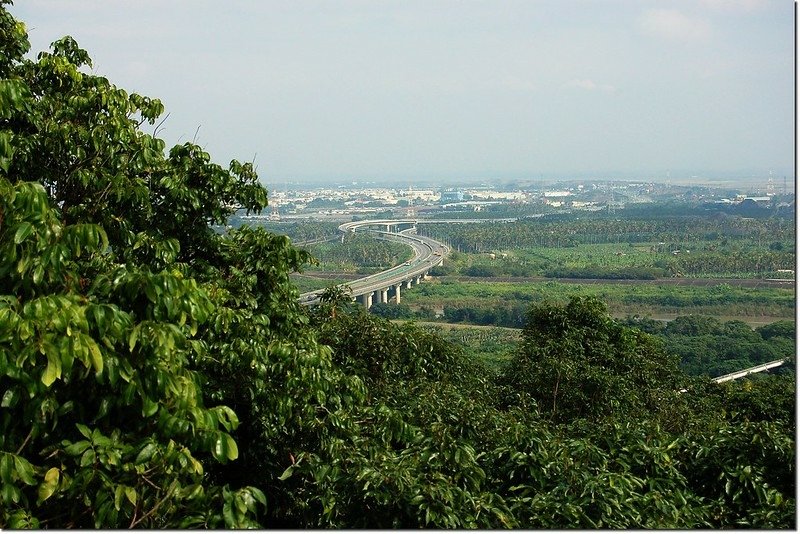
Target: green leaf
x,y
225,448
6,463
227,514
24,470
145,454
52,371
9,398
23,231
77,448
219,451
97,358
130,494
232,449
149,407
87,458
287,473
258,495
133,338
10,493
50,484
38,274
118,494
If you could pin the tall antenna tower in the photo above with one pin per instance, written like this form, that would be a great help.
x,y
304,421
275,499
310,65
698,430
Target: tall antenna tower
x,y
770,186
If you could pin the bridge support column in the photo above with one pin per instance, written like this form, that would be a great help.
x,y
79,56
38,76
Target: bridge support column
x,y
397,293
366,300
418,280
408,284
383,295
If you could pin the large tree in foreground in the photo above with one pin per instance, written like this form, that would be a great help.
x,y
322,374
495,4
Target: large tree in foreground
x,y
129,328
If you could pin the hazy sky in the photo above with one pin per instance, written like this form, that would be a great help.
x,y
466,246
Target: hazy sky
x,y
435,88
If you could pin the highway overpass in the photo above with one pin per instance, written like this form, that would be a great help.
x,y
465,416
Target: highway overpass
x,y
386,285
750,370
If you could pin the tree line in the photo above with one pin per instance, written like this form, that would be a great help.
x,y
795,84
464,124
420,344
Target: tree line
x,y
559,232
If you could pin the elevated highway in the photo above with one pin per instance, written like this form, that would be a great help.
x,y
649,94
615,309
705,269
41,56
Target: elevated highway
x,y
750,370
390,225
386,285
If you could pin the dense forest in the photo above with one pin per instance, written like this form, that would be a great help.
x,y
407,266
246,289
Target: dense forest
x,y
158,373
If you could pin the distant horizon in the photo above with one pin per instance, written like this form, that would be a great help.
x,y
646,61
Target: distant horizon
x,y
662,175
676,177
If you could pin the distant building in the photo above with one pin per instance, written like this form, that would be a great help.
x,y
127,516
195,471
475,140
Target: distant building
x,y
759,200
451,195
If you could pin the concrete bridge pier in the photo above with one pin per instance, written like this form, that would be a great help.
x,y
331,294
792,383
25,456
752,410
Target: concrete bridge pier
x,y
383,295
397,293
366,300
408,284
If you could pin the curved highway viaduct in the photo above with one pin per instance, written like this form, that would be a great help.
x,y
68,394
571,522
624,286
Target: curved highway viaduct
x,y
380,287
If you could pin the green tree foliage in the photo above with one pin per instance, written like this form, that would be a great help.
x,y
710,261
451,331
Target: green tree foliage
x,y
620,475
391,310
121,309
708,346
745,472
562,231
156,373
103,420
430,414
784,329
307,230
577,362
360,252
634,433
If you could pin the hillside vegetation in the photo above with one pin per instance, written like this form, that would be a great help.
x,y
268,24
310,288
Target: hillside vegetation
x,y
155,373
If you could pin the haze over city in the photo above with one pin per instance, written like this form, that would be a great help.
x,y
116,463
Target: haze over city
x,y
450,91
